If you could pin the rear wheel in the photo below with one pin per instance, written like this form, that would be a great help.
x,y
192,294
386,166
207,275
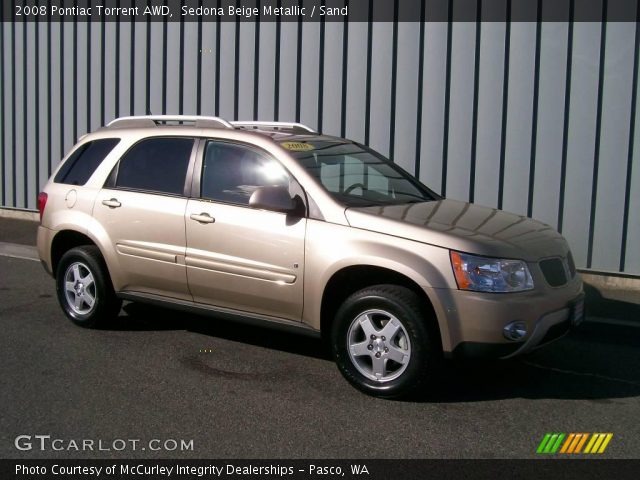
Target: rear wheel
x,y
84,287
382,342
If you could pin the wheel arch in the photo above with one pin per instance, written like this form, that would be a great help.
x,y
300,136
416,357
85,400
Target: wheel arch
x,y
350,279
65,240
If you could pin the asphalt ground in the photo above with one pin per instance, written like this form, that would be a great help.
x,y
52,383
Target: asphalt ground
x,y
249,392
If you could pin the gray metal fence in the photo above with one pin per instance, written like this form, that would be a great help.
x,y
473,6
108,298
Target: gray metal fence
x,y
534,117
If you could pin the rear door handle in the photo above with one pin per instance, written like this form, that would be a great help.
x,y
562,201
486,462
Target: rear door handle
x,y
112,203
202,218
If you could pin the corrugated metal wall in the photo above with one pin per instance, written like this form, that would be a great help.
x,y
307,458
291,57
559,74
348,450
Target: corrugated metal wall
x,y
537,118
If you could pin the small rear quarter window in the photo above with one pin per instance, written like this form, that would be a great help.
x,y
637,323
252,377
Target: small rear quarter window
x,y
84,161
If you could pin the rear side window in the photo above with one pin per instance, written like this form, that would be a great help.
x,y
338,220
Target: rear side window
x,y
84,161
156,165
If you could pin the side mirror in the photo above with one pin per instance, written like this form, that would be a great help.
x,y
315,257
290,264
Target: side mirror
x,y
276,199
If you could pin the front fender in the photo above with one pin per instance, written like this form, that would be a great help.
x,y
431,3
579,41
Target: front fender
x,y
330,248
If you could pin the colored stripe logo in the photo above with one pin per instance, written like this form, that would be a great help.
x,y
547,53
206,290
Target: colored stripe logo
x,y
574,443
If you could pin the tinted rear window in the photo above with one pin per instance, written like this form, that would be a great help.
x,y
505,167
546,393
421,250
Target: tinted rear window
x,y
84,161
156,165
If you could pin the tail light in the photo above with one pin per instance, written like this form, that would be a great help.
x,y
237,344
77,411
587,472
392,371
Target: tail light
x,y
42,202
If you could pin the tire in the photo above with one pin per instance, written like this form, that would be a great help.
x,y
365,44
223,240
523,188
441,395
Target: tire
x,y
84,287
383,342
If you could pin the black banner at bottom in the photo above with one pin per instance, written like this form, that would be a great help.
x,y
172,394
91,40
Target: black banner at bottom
x,y
543,469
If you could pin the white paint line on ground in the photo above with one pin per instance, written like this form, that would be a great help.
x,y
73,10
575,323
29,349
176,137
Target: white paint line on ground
x,y
614,321
15,250
581,374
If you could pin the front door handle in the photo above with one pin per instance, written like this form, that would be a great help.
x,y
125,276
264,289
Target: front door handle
x,y
202,218
112,203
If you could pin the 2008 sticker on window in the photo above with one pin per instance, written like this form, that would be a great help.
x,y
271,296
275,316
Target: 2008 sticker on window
x,y
297,146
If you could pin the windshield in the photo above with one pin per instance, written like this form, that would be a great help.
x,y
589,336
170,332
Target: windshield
x,y
357,176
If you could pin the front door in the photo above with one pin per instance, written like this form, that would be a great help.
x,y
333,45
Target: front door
x,y
239,257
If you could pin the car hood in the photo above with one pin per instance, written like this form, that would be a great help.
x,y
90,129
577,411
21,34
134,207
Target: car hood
x,y
463,226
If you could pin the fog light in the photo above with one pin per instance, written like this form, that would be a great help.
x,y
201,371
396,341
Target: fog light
x,y
514,331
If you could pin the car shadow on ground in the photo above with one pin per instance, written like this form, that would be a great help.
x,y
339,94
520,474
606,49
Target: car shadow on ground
x,y
141,317
600,306
599,362
595,362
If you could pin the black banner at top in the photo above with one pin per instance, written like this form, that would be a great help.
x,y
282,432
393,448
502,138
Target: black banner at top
x,y
319,10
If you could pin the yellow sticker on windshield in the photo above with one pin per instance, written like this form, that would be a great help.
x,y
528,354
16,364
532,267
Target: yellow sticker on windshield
x,y
297,146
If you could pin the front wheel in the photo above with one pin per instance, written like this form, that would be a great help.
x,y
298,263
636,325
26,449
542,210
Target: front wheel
x,y
84,287
382,342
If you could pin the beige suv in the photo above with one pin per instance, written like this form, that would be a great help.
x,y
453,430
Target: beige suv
x,y
273,223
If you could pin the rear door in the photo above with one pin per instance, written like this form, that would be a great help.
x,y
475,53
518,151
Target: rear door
x,y
142,208
240,257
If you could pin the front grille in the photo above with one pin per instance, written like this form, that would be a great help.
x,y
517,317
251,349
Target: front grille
x,y
554,272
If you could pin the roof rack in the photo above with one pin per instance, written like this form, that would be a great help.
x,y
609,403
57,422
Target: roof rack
x,y
248,125
204,122
155,120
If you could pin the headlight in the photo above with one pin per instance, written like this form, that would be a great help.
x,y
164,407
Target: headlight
x,y
484,274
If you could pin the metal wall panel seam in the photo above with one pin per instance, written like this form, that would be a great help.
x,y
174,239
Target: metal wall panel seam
x,y
199,66
61,104
165,60
49,102
534,113
103,53
505,104
236,66
321,74
447,101
276,73
217,73
37,105
256,64
299,65
567,107
88,60
367,112
598,133
394,81
420,95
25,118
630,152
181,68
75,79
132,69
474,121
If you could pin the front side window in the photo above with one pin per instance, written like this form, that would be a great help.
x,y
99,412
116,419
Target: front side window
x,y
156,165
84,161
357,176
231,173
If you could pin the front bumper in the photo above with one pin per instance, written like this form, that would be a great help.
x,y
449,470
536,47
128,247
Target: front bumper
x,y
472,323
549,327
